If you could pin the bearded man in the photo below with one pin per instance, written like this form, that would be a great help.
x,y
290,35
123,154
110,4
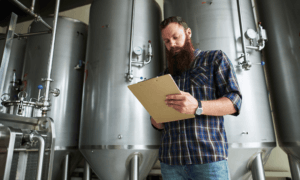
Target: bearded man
x,y
196,148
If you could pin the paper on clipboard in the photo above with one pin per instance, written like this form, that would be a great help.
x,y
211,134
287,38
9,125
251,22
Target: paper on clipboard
x,y
152,95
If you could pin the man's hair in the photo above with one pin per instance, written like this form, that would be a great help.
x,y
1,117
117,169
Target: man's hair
x,y
175,19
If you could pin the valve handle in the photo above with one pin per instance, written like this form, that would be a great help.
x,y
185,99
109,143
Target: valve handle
x,y
262,63
55,92
22,94
5,97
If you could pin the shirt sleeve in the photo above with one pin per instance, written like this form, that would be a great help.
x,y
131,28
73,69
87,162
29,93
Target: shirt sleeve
x,y
226,81
166,71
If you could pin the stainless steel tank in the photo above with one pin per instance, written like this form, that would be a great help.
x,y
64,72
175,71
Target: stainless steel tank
x,y
70,46
282,56
14,69
114,125
215,26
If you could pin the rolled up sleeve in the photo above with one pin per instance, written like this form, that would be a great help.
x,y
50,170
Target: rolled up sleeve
x,y
227,84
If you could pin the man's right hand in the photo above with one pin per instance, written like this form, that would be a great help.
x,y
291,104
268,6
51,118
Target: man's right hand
x,y
157,125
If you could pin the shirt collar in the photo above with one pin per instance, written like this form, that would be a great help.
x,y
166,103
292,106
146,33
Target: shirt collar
x,y
196,54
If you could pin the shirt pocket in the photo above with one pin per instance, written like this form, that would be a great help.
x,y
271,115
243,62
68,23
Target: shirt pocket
x,y
199,76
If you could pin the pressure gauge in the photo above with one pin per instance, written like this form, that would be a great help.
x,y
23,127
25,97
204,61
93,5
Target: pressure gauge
x,y
138,50
250,34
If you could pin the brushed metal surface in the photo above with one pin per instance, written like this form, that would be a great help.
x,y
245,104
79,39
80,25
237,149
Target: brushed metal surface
x,y
257,168
69,48
7,48
282,56
15,63
117,162
111,115
24,167
12,107
215,26
295,166
239,160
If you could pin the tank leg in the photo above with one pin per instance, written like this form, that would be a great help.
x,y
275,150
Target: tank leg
x,y
257,168
66,168
134,167
87,171
295,167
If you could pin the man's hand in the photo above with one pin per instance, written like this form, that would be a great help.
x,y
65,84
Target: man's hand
x,y
157,125
184,102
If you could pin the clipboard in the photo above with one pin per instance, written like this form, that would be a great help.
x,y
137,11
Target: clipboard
x,y
152,95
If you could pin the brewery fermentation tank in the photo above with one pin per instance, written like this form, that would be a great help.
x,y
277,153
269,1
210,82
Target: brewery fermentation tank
x,y
215,26
282,58
115,127
69,50
14,69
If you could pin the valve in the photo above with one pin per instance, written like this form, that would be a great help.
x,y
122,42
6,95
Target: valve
x,y
129,76
141,78
246,64
22,95
5,97
40,87
55,92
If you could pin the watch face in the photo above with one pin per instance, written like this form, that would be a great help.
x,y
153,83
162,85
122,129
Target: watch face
x,y
199,111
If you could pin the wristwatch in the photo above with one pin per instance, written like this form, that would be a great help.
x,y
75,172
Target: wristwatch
x,y
199,109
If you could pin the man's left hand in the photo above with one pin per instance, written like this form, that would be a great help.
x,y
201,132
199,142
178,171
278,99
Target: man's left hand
x,y
184,102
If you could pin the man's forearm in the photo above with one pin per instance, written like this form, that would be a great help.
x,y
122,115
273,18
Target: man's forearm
x,y
157,125
218,107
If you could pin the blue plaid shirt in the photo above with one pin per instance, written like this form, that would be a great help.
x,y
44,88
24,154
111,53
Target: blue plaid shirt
x,y
201,139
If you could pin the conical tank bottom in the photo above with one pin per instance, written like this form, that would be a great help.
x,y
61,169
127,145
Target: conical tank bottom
x,y
114,164
58,164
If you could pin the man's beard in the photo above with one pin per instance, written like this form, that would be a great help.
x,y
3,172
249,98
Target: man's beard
x,y
180,61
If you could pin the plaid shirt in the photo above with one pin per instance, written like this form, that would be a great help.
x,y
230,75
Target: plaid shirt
x,y
201,139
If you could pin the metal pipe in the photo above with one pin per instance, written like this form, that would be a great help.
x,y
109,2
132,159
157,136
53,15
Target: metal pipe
x,y
6,133
32,5
28,150
48,80
252,47
257,168
66,168
87,171
40,139
241,30
130,76
295,167
28,34
34,34
22,165
259,47
134,170
28,11
39,18
254,13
